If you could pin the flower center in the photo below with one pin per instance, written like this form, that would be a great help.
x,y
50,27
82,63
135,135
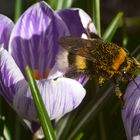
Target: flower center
x,y
37,75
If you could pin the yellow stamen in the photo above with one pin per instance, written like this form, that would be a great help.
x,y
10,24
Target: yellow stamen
x,y
36,74
47,73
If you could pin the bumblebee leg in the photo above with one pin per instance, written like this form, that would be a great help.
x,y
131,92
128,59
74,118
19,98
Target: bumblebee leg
x,y
119,93
136,62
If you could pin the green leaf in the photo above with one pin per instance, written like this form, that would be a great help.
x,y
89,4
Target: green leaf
x,y
111,29
96,15
55,4
63,126
42,113
52,3
124,34
7,134
67,3
79,136
60,4
2,119
63,132
4,131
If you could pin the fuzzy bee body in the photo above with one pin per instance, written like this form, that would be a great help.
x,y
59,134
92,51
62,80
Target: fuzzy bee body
x,y
97,58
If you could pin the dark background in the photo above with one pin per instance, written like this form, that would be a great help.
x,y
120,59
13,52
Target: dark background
x,y
111,112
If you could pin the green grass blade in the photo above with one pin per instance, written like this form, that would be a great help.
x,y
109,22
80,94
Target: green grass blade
x,y
64,4
4,131
52,3
17,9
66,126
111,29
96,15
42,113
7,134
63,127
2,119
67,3
60,4
124,34
79,136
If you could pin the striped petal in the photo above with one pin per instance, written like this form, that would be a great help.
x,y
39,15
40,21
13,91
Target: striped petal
x,y
60,96
10,75
34,38
77,21
131,110
6,26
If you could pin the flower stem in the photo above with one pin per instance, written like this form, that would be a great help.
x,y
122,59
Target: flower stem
x,y
17,9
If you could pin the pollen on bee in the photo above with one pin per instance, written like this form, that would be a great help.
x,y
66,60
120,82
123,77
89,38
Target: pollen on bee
x,y
119,60
80,62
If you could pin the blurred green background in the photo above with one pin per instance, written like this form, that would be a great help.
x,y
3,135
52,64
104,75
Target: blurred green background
x,y
100,111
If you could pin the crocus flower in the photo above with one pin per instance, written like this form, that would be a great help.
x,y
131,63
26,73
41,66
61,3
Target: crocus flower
x,y
131,110
34,42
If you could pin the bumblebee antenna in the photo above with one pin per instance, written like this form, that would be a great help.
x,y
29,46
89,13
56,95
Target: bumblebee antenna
x,y
135,50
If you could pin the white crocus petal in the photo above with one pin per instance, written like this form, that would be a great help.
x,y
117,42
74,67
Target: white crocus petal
x,y
54,73
84,36
136,137
1,47
10,75
6,26
60,96
86,21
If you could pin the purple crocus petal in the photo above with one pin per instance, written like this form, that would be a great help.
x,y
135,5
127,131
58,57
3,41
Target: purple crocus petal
x,y
34,40
6,26
60,96
77,21
10,75
82,79
131,110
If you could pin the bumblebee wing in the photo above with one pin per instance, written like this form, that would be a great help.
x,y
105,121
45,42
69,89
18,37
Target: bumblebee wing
x,y
78,46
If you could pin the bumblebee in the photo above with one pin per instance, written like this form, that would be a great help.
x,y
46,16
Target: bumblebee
x,y
97,58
